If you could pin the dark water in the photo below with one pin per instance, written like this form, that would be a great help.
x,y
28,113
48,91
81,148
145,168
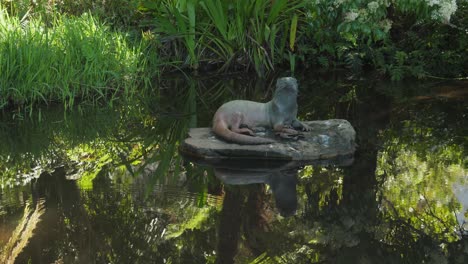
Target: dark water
x,y
106,185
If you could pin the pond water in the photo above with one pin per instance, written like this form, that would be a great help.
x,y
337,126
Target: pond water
x,y
107,185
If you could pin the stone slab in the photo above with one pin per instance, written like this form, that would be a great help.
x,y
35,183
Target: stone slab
x,y
328,139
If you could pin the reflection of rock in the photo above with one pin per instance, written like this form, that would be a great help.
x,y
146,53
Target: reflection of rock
x,y
280,176
281,182
328,139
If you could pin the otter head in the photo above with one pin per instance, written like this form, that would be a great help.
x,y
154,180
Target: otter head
x,y
286,89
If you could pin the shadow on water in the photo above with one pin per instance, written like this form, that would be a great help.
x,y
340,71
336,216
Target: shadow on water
x,y
106,185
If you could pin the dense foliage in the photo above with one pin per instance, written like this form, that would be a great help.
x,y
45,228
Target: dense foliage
x,y
399,38
133,41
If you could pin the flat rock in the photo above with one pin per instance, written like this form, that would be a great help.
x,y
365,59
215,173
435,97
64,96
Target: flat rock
x,y
328,139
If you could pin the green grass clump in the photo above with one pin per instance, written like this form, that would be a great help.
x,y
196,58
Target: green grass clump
x,y
71,58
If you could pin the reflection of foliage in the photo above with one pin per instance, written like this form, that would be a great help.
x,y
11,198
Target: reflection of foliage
x,y
163,225
413,219
303,239
140,203
422,160
193,222
139,229
22,234
82,144
420,168
422,192
322,186
111,146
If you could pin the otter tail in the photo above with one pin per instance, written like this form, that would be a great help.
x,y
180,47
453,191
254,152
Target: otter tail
x,y
221,130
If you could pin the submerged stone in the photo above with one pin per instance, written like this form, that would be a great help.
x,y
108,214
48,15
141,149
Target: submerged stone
x,y
328,139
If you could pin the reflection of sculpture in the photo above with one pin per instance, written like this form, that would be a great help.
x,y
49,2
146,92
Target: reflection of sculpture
x,y
278,114
245,211
281,182
281,176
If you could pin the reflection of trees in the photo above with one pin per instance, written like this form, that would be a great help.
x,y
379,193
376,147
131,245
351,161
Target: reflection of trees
x,y
421,166
101,224
355,221
395,204
22,233
89,144
340,226
124,230
112,224
61,215
85,141
230,225
165,225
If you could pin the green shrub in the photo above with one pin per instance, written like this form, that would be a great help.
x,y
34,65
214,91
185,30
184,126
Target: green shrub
x,y
399,38
240,34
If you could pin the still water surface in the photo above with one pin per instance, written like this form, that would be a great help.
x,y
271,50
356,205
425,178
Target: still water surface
x,y
106,185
